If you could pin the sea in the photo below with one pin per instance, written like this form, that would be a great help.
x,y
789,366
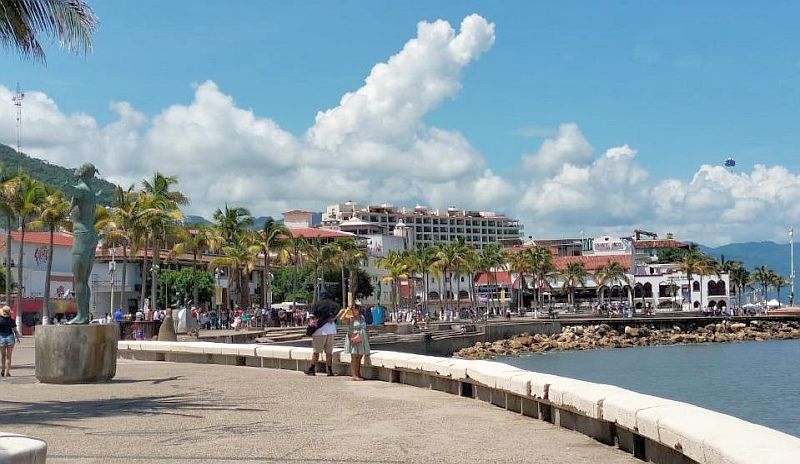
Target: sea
x,y
755,381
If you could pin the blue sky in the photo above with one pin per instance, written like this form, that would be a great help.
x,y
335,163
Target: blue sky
x,y
682,83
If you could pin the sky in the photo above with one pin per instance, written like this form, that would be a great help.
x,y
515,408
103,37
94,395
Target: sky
x,y
598,117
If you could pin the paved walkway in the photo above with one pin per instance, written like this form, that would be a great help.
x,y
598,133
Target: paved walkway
x,y
158,412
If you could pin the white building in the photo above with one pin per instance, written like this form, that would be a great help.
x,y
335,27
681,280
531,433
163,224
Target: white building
x,y
428,227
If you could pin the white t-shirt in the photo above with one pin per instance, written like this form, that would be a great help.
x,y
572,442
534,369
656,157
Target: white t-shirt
x,y
327,329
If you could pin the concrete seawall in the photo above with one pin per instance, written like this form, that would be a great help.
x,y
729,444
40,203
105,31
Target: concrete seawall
x,y
650,428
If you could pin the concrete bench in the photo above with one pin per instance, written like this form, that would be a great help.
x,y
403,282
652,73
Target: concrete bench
x,y
20,449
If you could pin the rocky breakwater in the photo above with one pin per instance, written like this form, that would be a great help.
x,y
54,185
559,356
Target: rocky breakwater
x,y
588,337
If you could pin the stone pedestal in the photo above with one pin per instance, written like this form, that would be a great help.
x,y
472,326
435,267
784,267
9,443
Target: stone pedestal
x,y
76,353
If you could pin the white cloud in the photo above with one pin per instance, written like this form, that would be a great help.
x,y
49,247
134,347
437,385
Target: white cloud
x,y
568,146
375,147
373,143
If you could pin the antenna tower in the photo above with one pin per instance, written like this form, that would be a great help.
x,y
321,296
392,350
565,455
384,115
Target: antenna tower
x,y
17,99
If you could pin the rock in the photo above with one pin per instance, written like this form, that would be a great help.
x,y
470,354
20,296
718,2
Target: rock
x,y
631,332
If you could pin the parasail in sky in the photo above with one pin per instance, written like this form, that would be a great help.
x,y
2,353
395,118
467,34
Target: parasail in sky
x,y
730,162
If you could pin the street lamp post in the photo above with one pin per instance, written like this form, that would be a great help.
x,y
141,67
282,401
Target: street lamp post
x,y
154,275
112,267
791,275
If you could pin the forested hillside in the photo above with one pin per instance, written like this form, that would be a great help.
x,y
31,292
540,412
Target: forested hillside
x,y
51,174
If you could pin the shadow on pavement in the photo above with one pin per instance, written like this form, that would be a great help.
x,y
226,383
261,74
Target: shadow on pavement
x,y
53,412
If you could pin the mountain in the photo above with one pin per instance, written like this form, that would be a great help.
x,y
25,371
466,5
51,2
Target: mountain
x,y
56,176
754,254
195,220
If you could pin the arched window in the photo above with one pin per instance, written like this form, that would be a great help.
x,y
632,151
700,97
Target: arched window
x,y
696,287
463,295
648,290
433,295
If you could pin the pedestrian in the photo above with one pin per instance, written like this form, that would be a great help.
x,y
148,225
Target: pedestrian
x,y
322,329
9,336
356,342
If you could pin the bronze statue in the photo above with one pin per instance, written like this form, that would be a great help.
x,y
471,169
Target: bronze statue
x,y
84,239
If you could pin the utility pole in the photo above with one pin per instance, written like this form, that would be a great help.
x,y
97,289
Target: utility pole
x,y
17,99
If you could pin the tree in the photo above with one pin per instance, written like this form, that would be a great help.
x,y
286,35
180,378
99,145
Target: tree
x,y
541,266
127,229
54,214
29,197
23,22
162,205
691,265
492,260
518,263
763,276
778,282
274,236
193,241
185,281
349,256
574,275
241,257
397,269
8,187
423,261
232,222
610,274
739,278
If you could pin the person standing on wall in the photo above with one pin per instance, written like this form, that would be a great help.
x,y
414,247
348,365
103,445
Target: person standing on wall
x,y
9,336
322,328
356,342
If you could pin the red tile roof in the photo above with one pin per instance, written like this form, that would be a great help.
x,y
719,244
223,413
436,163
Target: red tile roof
x,y
503,278
592,262
41,238
313,232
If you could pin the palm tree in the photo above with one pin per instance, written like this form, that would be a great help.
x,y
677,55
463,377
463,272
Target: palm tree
x,y
349,255
518,263
241,257
492,260
448,258
232,222
541,266
611,273
779,282
423,261
127,229
471,266
22,22
273,236
54,214
8,187
763,276
30,194
739,278
397,269
163,205
691,265
192,240
574,275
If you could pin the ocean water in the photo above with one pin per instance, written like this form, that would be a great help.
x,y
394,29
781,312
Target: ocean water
x,y
755,381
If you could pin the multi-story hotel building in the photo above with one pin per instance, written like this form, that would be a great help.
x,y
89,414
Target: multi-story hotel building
x,y
427,227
